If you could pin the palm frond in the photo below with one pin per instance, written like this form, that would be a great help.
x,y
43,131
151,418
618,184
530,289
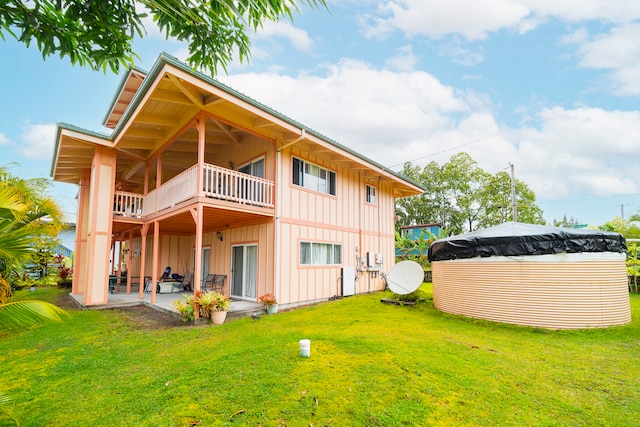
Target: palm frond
x,y
18,314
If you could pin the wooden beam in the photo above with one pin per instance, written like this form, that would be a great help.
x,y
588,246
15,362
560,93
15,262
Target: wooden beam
x,y
195,96
171,96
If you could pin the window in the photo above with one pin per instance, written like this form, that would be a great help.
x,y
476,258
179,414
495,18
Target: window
x,y
371,194
314,177
312,253
255,168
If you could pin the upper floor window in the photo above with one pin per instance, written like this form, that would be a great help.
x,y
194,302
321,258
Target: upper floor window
x,y
314,177
371,194
313,253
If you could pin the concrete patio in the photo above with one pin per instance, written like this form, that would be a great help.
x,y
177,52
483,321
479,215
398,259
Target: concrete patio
x,y
164,303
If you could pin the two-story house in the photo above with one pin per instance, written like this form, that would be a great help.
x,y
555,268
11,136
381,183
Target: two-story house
x,y
204,179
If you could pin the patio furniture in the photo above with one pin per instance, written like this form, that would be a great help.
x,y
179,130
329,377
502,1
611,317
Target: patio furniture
x,y
112,283
186,282
214,281
167,274
165,287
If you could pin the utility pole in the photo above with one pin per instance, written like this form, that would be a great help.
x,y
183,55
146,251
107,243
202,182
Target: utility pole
x,y
514,211
621,210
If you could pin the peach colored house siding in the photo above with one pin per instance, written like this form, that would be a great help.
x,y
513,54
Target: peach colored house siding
x,y
563,291
173,174
344,219
178,252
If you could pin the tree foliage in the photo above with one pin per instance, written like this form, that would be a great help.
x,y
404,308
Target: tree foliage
x,y
461,196
100,34
629,229
18,314
24,206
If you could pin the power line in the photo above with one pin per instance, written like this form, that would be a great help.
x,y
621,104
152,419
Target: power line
x,y
448,149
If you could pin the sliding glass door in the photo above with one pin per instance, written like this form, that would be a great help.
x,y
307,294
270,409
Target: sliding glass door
x,y
244,271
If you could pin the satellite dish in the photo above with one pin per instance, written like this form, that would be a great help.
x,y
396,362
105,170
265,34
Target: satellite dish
x,y
405,277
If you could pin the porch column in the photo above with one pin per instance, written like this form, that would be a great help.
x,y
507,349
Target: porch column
x,y
201,147
79,284
100,224
154,262
129,260
197,275
143,255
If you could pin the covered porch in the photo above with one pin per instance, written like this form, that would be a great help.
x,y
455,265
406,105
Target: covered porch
x,y
164,303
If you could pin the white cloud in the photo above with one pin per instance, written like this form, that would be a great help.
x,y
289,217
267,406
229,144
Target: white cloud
x,y
390,117
405,59
459,54
283,29
4,140
617,51
580,151
394,117
473,20
37,141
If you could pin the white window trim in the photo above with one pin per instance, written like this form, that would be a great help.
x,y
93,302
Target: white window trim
x,y
328,172
368,193
312,263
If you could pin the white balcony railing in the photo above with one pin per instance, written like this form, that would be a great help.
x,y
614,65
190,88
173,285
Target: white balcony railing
x,y
218,183
226,184
127,204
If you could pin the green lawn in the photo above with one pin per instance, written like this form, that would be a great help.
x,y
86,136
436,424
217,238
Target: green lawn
x,y
371,364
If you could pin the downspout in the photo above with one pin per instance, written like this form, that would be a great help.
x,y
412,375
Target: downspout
x,y
276,240
279,183
359,203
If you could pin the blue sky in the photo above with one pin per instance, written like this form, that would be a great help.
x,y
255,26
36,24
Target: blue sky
x,y
549,86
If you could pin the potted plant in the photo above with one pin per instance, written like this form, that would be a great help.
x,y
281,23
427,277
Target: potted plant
x,y
206,302
270,302
185,309
219,308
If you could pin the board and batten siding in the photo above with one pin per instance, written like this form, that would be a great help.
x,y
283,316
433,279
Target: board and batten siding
x,y
345,219
178,252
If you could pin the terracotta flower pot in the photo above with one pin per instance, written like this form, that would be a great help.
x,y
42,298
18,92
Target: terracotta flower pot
x,y
218,317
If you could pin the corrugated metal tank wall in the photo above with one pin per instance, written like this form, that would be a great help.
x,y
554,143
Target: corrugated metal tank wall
x,y
563,291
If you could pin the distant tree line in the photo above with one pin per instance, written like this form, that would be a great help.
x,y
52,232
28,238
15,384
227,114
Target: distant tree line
x,y
462,197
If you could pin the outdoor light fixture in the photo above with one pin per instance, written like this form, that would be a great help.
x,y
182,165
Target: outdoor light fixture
x,y
219,235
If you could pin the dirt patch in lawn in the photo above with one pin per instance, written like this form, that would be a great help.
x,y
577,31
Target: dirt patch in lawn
x,y
148,318
140,316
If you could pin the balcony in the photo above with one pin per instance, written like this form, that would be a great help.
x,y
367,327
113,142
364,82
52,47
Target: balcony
x,y
218,183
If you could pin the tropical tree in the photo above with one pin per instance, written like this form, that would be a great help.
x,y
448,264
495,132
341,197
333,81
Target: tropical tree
x,y
570,223
23,206
100,34
461,196
630,230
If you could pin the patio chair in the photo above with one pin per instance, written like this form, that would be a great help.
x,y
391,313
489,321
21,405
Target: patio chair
x,y
218,282
208,281
186,282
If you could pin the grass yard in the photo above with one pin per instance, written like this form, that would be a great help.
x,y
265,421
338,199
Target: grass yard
x,y
371,364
